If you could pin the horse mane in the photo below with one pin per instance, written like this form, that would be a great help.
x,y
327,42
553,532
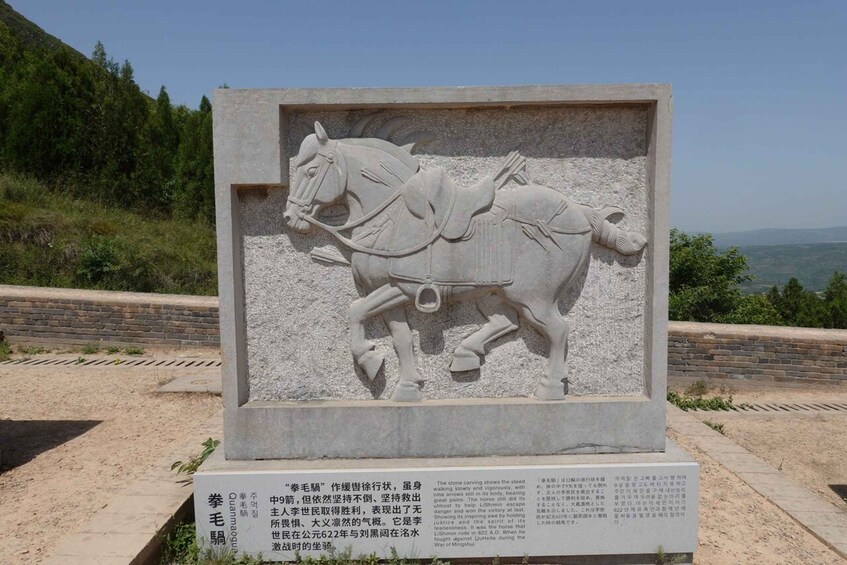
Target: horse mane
x,y
399,153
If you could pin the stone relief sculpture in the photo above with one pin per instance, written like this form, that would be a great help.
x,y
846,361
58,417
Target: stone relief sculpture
x,y
416,237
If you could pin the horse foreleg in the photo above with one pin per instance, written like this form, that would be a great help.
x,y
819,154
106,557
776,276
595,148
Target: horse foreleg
x,y
382,299
502,319
408,389
551,324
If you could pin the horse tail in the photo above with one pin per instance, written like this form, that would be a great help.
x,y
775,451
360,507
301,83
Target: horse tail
x,y
609,235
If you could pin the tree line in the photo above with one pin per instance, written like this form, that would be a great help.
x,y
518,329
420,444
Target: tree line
x,y
84,127
705,287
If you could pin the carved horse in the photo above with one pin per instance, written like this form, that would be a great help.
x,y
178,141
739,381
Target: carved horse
x,y
385,193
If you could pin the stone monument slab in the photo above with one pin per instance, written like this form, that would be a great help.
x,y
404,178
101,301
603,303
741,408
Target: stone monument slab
x,y
443,272
444,325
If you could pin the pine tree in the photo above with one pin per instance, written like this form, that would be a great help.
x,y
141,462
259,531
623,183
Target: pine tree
x,y
791,300
162,138
98,56
196,196
775,298
47,107
835,298
117,135
801,308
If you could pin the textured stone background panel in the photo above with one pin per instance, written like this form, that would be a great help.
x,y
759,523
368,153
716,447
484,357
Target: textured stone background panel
x,y
297,331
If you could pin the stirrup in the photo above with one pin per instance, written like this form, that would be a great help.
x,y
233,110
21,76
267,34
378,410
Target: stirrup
x,y
428,298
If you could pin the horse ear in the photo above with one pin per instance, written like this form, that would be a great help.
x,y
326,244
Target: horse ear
x,y
320,132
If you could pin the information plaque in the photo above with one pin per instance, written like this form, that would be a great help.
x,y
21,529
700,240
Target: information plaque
x,y
452,512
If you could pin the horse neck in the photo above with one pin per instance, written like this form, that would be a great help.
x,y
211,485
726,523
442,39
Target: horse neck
x,y
362,194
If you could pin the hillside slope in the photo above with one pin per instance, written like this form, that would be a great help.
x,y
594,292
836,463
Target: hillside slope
x,y
51,239
29,34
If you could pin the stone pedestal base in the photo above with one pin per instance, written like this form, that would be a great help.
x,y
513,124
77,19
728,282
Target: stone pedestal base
x,y
618,508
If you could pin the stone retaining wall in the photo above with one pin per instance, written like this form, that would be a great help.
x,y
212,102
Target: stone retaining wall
x,y
77,317
757,353
711,351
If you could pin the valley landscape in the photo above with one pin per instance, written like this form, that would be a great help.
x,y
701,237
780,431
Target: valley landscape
x,y
774,256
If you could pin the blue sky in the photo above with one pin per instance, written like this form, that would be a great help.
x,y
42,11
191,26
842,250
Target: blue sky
x,y
760,88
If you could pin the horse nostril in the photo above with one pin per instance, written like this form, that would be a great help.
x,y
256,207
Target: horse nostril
x,y
287,216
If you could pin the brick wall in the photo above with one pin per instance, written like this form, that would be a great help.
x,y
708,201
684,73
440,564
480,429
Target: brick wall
x,y
757,353
75,317
713,351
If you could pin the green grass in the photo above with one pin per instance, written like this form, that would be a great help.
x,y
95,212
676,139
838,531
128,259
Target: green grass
x,y
5,350
31,350
134,350
687,402
180,548
715,426
663,558
50,239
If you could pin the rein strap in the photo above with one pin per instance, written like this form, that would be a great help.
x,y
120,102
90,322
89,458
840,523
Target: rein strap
x,y
335,230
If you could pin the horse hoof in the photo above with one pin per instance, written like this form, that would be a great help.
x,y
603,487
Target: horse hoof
x,y
407,392
464,363
546,391
370,362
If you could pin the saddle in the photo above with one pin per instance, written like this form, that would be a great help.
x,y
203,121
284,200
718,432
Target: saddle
x,y
471,238
452,207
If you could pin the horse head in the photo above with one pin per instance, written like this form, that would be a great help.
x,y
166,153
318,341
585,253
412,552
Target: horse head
x,y
320,179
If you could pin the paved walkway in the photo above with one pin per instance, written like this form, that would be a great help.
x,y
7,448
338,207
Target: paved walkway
x,y
819,517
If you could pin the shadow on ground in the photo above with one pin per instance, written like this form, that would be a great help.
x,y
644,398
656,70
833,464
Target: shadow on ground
x,y
23,440
840,490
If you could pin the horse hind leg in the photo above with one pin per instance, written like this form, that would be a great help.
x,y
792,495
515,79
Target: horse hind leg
x,y
502,319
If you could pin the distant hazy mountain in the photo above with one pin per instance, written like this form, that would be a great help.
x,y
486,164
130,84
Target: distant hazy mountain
x,y
780,237
812,264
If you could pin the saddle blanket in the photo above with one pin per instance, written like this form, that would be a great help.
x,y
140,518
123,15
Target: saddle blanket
x,y
484,257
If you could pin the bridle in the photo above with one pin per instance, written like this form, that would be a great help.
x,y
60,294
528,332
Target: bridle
x,y
305,195
304,199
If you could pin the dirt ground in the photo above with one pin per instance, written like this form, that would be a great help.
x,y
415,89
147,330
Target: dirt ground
x,y
809,448
738,525
70,438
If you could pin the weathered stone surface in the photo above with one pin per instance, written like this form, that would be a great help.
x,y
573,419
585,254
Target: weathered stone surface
x,y
296,306
249,173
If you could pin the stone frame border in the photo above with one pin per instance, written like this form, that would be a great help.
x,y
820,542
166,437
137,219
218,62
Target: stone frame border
x,y
250,145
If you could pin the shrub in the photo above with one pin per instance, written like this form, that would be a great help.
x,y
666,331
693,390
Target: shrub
x,y
52,239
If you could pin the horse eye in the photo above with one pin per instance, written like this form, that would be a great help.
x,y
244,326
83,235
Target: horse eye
x,y
312,172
